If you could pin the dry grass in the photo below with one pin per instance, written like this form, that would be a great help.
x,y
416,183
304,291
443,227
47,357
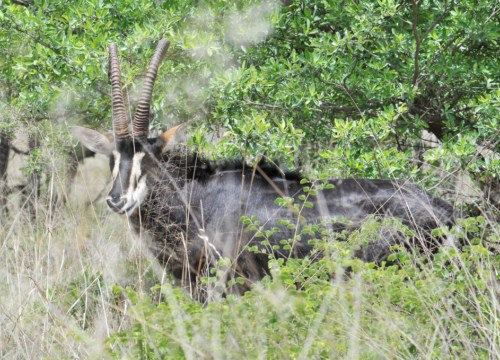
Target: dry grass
x,y
57,267
59,297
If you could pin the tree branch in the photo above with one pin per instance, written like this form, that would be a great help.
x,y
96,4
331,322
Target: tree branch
x,y
416,73
267,106
342,108
40,41
36,39
21,3
438,19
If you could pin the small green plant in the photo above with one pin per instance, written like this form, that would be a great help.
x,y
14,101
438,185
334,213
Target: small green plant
x,y
35,162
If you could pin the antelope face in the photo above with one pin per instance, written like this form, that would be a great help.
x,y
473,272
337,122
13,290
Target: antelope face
x,y
129,177
132,154
131,162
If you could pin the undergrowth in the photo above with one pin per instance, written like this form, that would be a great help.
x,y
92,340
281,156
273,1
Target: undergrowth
x,y
444,307
85,287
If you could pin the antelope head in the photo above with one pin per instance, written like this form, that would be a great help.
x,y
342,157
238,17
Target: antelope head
x,y
132,154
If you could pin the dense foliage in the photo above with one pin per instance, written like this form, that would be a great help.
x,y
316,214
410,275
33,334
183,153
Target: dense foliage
x,y
377,89
387,312
353,82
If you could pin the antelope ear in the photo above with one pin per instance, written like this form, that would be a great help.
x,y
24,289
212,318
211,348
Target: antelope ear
x,y
168,137
93,140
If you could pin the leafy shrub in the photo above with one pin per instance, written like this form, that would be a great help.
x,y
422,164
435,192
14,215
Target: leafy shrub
x,y
442,307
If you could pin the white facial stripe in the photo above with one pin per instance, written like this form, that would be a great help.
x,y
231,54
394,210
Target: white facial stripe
x,y
136,188
116,168
135,194
135,173
139,195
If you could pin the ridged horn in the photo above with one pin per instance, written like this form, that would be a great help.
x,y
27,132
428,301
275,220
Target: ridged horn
x,y
120,121
141,118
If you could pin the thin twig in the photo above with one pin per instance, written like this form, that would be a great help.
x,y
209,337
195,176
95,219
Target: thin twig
x,y
268,106
416,74
438,19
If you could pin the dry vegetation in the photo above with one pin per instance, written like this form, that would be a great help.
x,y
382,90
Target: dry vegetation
x,y
76,283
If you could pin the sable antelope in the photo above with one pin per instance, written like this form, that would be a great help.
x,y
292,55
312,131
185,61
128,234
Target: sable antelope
x,y
192,208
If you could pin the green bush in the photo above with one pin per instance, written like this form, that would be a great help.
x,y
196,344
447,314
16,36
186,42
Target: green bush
x,y
442,307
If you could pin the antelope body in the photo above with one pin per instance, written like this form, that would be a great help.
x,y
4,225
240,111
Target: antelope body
x,y
192,209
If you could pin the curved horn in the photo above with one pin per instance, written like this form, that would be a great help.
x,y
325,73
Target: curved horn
x,y
141,118
120,121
